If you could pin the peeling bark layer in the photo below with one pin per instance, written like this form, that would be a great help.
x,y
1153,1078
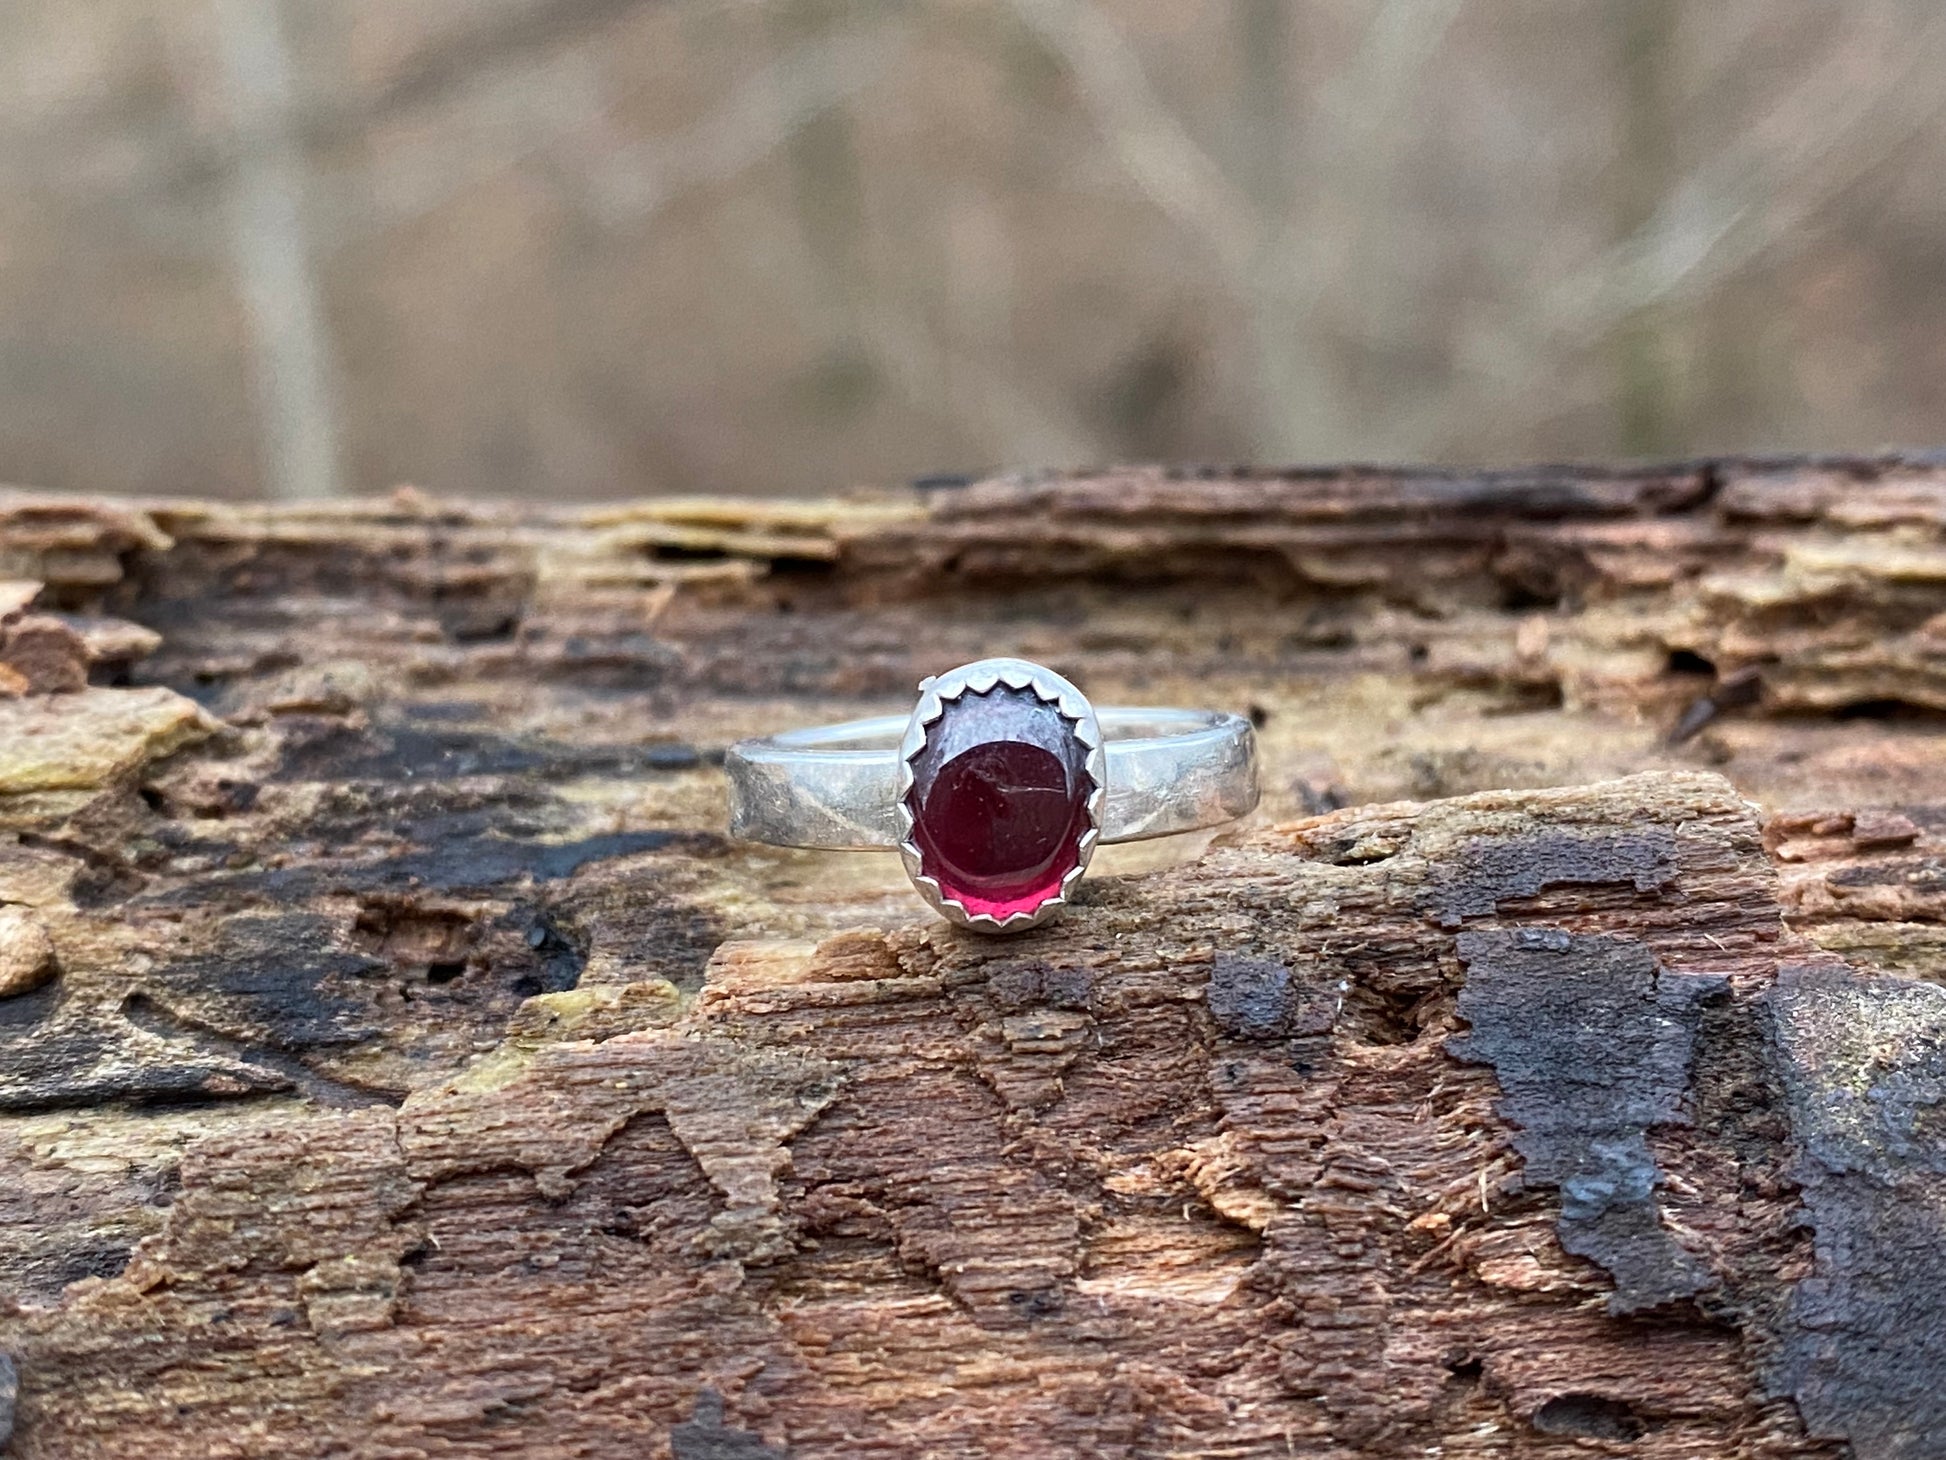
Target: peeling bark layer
x,y
396,1060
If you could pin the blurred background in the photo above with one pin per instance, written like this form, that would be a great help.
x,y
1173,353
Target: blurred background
x,y
558,249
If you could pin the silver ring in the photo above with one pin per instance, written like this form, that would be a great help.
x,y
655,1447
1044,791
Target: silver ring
x,y
996,789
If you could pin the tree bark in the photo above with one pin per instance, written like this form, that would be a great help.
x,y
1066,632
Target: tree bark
x,y
396,1059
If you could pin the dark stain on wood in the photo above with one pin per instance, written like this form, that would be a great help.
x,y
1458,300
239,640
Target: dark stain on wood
x,y
284,976
9,1389
1863,1349
1591,1042
704,1436
1492,872
90,1056
1262,998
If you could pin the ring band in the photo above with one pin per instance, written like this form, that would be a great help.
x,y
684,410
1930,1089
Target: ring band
x,y
991,761
833,787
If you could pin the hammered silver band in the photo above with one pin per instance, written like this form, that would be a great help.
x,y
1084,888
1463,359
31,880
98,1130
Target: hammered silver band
x,y
837,787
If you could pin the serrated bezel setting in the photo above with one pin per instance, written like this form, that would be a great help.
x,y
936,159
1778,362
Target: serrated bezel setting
x,y
979,678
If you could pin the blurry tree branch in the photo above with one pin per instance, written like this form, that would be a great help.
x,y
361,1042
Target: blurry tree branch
x,y
1190,187
1266,245
509,117
632,180
498,121
1182,179
120,159
1826,136
1328,231
1308,269
511,38
1761,198
291,351
500,115
1647,48
926,369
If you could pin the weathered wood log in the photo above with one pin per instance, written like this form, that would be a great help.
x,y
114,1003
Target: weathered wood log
x,y
397,1061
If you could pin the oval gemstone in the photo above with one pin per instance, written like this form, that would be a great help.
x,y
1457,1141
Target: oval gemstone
x,y
999,801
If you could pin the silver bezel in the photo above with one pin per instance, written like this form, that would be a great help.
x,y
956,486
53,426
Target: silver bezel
x,y
1049,688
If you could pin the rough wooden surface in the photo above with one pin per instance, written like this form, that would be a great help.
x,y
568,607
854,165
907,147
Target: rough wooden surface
x,y
396,1060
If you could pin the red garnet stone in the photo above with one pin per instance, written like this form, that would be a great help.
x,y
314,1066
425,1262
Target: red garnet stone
x,y
999,801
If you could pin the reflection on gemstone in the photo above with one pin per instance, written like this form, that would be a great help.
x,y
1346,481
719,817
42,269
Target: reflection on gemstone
x,y
999,801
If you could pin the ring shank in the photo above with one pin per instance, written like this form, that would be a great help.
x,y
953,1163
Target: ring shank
x,y
834,787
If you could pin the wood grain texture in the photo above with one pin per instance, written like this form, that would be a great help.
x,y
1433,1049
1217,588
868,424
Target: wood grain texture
x,y
396,1060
